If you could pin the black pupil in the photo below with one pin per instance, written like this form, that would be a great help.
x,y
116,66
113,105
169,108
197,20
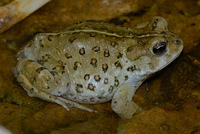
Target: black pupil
x,y
159,48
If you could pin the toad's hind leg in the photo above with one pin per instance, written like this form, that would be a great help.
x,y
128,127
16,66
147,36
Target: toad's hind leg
x,y
47,81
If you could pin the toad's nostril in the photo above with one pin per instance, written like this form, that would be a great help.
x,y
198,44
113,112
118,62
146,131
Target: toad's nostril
x,y
177,42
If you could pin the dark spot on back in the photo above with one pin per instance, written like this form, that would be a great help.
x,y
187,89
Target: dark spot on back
x,y
91,86
163,33
126,77
32,90
106,53
116,82
121,32
154,25
110,89
93,62
38,70
50,38
62,63
119,55
67,85
105,67
76,65
58,67
131,68
84,100
106,81
54,73
41,43
104,28
96,49
32,79
67,55
87,77
97,78
73,28
118,64
47,56
130,48
79,88
82,51
93,34
114,44
92,99
41,62
72,39
88,25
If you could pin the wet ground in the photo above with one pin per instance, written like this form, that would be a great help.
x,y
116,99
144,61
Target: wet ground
x,y
170,99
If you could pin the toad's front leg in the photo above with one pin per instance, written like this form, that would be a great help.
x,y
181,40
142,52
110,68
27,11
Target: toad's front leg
x,y
122,102
48,81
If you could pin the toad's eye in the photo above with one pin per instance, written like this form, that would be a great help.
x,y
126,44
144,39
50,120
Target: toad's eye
x,y
159,48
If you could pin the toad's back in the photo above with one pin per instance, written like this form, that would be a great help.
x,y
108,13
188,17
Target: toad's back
x,y
95,61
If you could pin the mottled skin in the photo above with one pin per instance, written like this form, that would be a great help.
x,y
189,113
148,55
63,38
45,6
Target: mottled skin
x,y
96,62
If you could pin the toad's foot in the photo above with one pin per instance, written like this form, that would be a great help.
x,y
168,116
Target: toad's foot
x,y
127,110
70,104
122,102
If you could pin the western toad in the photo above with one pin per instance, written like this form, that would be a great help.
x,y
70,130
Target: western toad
x,y
93,63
